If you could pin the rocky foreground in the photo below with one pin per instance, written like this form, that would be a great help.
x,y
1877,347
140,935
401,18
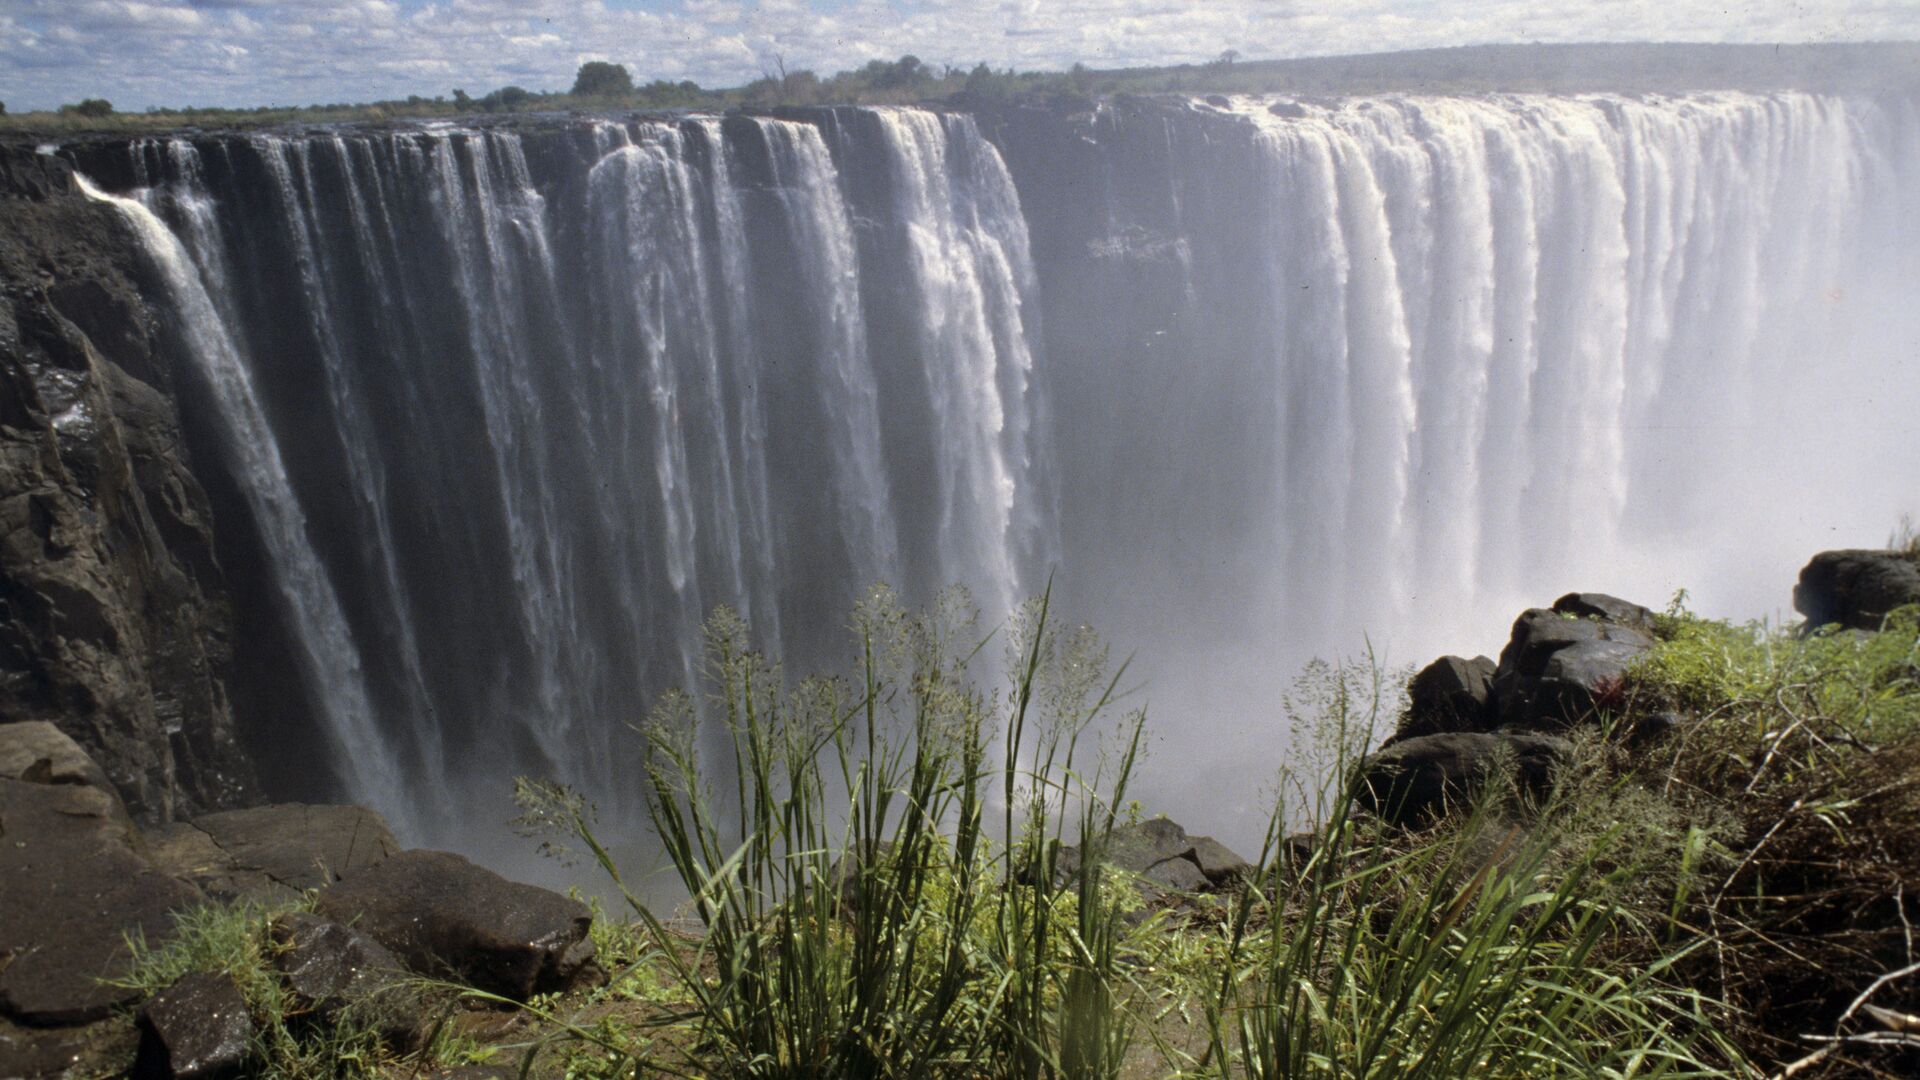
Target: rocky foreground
x,y
80,881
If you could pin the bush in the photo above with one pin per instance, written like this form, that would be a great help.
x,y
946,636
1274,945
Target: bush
x,y
92,108
597,78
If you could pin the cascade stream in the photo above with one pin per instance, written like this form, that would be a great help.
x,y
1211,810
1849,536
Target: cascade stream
x,y
508,409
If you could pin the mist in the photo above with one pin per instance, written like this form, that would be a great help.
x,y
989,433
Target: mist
x,y
1249,380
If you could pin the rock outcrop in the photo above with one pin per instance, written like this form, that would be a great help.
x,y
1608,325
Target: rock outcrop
x,y
114,624
271,853
1856,589
443,915
1472,722
1160,852
1418,779
74,885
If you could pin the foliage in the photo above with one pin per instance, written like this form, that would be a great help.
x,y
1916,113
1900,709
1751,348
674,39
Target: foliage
x,y
92,108
1807,748
858,917
234,941
598,78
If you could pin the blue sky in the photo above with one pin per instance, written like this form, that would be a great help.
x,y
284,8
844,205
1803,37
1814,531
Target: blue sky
x,y
139,53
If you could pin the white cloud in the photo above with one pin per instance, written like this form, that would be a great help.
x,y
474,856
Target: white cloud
x,y
249,52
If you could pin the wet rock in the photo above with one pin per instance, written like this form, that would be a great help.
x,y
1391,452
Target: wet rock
x,y
103,1048
272,852
72,887
1856,589
1419,779
330,968
328,965
196,1029
442,915
1450,694
1161,852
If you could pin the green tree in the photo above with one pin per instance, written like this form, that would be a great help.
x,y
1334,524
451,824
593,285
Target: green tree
x,y
597,78
507,98
92,107
461,100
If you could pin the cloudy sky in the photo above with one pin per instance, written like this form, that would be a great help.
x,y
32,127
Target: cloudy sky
x,y
139,53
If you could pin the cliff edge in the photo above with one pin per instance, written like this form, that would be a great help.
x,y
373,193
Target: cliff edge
x,y
114,619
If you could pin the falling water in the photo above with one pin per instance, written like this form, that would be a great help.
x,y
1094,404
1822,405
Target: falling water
x,y
512,409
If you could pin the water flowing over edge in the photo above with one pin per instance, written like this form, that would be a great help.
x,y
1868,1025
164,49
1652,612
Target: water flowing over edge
x,y
1309,371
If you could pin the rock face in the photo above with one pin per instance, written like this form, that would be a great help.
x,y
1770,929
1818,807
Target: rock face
x,y
271,853
113,615
443,915
196,1029
1856,589
1417,779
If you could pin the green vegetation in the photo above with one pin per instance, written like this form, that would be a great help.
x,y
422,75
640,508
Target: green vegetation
x,y
597,78
880,884
288,1041
861,906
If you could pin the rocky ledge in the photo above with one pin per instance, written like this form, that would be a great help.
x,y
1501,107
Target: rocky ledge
x,y
79,881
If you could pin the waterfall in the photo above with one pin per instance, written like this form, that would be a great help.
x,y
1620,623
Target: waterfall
x,y
512,408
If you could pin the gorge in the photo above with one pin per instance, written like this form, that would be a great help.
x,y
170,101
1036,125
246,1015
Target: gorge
x,y
490,416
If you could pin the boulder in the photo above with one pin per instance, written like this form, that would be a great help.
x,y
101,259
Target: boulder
x,y
72,888
1418,779
1450,694
329,967
38,752
196,1029
1856,589
1612,609
272,853
442,915
1161,852
1558,667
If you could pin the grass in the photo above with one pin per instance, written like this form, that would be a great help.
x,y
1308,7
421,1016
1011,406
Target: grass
x,y
874,867
878,885
235,941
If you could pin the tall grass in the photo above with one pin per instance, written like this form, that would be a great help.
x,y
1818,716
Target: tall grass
x,y
877,869
860,915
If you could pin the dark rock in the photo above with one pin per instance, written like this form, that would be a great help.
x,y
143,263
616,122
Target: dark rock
x,y
1856,589
72,887
1219,101
1539,633
1593,605
1559,669
103,1048
443,915
272,852
328,965
1450,694
1161,852
330,968
114,624
196,1029
1288,110
1416,780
